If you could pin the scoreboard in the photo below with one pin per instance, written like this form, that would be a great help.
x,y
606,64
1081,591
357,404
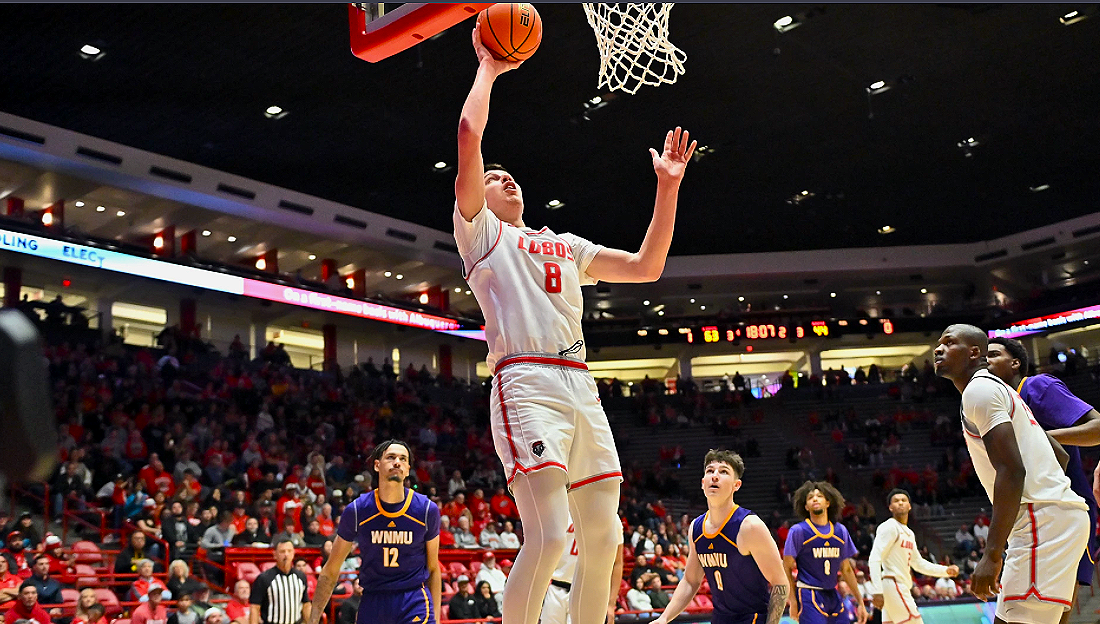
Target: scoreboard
x,y
791,332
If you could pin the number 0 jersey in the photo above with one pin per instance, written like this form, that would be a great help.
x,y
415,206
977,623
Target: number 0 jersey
x,y
527,282
737,587
818,552
391,539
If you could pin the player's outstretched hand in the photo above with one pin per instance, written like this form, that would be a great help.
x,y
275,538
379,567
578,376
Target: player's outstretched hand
x,y
486,58
952,571
983,582
878,601
670,164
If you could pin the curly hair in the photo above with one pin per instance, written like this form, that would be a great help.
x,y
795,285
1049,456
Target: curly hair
x,y
835,498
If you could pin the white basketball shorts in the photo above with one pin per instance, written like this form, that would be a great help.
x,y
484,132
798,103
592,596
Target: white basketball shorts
x,y
898,605
1040,566
545,412
555,608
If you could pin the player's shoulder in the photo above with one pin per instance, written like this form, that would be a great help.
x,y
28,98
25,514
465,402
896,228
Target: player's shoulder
x,y
984,385
1038,384
840,530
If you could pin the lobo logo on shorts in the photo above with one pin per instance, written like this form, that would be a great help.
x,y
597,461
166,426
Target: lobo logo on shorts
x,y
538,448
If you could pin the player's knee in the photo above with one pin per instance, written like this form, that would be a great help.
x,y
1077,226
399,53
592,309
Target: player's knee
x,y
553,545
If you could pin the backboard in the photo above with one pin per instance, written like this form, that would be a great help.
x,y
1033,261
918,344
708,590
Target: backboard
x,y
379,31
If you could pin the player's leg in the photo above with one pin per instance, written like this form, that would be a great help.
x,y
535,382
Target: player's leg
x,y
414,606
544,510
555,609
1041,563
898,606
599,533
810,609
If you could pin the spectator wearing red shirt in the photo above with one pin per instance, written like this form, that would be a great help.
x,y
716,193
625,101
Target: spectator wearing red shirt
x,y
9,585
504,508
325,519
240,517
477,503
456,507
446,538
316,482
17,555
289,506
27,607
156,478
190,488
152,611
236,610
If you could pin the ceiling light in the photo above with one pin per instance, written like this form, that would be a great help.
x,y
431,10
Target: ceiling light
x,y
595,100
440,165
924,291
468,292
878,87
786,296
458,289
350,281
79,204
206,232
312,256
423,298
643,333
47,218
90,52
120,213
878,292
232,239
1038,189
554,204
786,23
1072,18
702,307
740,298
158,242
662,331
661,313
833,295
646,302
261,264
274,112
887,229
388,274
399,276
100,208
692,300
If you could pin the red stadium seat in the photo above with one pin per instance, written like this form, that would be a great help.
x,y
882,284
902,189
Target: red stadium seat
x,y
121,621
474,567
87,552
703,601
248,571
458,568
85,575
109,600
444,609
70,596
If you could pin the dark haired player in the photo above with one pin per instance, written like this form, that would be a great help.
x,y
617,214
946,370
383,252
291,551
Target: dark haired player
x,y
1069,420
1035,511
548,425
733,548
397,531
893,554
822,551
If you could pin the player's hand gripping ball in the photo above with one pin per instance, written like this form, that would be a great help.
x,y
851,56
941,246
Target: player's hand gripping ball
x,y
511,31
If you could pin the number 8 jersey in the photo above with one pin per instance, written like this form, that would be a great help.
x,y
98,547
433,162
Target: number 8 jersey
x,y
391,539
527,282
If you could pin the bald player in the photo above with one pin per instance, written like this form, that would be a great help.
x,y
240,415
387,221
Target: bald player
x,y
1035,511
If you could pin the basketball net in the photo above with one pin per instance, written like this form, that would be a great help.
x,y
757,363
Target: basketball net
x,y
634,46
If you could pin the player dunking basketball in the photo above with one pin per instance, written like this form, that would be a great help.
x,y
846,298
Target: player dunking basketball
x,y
734,549
549,428
822,551
397,531
1035,511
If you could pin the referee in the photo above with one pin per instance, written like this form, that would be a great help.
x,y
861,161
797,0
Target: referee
x,y
279,594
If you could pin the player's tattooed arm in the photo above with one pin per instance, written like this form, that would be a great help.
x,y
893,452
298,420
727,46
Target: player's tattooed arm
x,y
777,602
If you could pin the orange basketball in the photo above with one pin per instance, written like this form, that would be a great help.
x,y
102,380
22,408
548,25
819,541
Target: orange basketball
x,y
511,32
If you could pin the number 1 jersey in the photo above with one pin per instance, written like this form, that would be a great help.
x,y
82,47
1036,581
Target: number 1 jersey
x,y
391,539
527,282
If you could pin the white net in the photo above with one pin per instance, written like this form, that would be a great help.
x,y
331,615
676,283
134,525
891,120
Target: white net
x,y
634,46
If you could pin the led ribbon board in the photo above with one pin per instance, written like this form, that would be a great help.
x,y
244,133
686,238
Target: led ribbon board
x,y
1044,323
119,262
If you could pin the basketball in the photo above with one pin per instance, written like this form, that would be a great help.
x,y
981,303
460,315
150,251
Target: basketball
x,y
511,31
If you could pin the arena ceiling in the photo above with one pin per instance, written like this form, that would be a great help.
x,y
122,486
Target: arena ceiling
x,y
988,127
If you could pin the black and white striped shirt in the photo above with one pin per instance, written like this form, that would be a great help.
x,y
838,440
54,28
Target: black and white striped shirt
x,y
280,596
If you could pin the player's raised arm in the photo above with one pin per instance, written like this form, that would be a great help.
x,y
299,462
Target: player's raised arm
x,y
470,186
616,265
687,587
755,536
326,581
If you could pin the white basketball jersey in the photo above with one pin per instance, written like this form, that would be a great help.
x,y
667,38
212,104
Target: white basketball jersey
x,y
567,565
987,402
528,284
894,553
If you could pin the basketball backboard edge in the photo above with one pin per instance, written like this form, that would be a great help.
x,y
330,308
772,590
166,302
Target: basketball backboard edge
x,y
377,35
